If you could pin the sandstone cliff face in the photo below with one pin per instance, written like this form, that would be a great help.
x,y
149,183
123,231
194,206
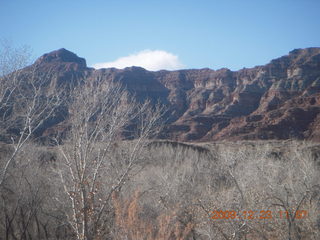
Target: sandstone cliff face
x,y
280,100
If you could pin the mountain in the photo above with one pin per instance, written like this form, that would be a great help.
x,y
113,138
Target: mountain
x,y
280,100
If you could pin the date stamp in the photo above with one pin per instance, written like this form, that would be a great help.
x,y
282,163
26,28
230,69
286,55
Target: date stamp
x,y
262,214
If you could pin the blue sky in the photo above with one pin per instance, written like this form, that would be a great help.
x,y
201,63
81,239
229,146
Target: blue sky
x,y
196,34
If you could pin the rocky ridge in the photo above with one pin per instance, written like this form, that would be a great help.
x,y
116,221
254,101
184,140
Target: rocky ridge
x,y
280,100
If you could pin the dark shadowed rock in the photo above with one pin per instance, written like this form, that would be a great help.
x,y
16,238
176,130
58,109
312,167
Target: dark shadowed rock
x,y
61,56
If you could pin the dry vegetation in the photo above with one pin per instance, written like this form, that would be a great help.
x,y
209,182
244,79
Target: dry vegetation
x,y
171,193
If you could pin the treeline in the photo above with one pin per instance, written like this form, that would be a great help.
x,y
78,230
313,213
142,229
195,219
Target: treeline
x,y
266,190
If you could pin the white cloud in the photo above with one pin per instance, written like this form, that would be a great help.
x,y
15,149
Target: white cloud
x,y
149,59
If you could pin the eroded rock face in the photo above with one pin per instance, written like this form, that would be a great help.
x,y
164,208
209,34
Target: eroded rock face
x,y
280,100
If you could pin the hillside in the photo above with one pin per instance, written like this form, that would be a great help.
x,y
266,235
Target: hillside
x,y
279,100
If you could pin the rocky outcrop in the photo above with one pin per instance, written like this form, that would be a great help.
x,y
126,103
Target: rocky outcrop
x,y
280,100
61,56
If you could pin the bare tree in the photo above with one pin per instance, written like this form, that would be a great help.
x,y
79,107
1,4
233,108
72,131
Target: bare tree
x,y
24,105
29,109
95,162
12,60
23,198
296,198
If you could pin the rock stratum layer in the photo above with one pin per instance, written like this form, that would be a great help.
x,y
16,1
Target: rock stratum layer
x,y
280,100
